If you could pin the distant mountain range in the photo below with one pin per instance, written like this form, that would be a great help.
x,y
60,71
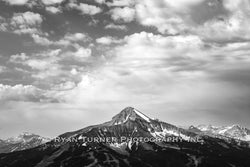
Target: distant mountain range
x,y
21,142
157,144
235,131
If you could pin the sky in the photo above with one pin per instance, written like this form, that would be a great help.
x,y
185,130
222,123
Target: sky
x,y
67,64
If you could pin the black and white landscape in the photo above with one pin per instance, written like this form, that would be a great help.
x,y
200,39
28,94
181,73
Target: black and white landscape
x,y
183,66
69,149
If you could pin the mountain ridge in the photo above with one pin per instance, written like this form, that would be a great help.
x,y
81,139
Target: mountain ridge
x,y
216,152
233,131
24,140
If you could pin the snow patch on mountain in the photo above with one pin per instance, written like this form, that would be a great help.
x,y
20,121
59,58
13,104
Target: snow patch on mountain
x,y
142,115
233,131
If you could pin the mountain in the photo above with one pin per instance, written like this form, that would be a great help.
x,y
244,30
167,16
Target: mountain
x,y
169,146
194,129
131,122
235,131
21,142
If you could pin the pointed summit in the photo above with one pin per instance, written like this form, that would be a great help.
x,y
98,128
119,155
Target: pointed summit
x,y
128,110
129,113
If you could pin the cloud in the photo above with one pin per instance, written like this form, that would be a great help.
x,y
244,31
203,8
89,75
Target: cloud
x,y
100,1
147,50
138,62
27,18
41,40
2,69
121,3
76,37
53,9
91,86
74,71
159,14
68,85
125,14
3,24
107,40
55,65
236,5
17,2
182,4
52,2
85,8
228,28
31,2
82,53
116,27
42,65
18,57
23,23
224,21
23,93
66,40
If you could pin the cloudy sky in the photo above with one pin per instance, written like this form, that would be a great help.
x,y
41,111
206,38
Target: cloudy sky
x,y
66,64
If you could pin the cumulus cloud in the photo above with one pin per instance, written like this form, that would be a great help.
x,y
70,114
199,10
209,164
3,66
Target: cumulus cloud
x,y
160,15
3,24
100,1
121,3
230,27
41,40
55,65
139,59
184,55
149,50
82,53
40,64
125,14
52,2
53,9
85,8
18,57
27,18
66,40
44,65
23,23
115,26
74,71
107,40
68,85
76,37
175,17
31,2
23,93
16,2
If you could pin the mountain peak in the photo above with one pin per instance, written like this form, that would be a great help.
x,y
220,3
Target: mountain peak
x,y
237,126
128,109
129,113
27,134
26,137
